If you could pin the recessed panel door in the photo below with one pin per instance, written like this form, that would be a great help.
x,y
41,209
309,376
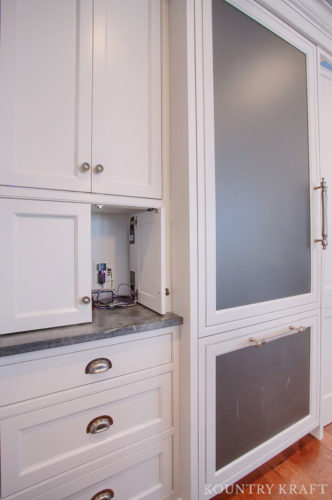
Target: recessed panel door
x,y
260,166
126,137
45,93
45,265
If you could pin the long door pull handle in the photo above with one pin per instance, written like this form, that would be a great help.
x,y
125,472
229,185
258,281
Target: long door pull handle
x,y
324,240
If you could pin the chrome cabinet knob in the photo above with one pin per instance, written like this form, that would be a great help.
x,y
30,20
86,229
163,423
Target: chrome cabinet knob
x,y
99,365
104,495
86,300
85,167
99,424
99,169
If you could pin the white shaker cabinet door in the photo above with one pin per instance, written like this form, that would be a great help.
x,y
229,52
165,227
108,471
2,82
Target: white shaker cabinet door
x,y
44,264
45,93
126,125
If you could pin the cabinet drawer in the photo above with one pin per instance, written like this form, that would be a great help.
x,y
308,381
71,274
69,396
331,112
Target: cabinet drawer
x,y
41,444
35,378
148,477
146,474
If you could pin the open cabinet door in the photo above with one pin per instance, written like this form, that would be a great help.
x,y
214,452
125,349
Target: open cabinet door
x,y
147,259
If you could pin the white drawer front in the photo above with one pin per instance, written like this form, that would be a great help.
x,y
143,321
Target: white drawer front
x,y
146,475
22,381
40,444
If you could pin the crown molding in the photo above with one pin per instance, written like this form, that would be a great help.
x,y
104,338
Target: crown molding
x,y
312,18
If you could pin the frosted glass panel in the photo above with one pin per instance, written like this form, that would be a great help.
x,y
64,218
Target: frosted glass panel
x,y
260,392
261,163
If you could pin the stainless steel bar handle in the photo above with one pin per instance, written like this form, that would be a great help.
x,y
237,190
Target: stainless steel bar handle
x,y
258,342
324,240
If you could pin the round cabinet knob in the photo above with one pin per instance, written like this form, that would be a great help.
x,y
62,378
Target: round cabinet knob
x,y
99,169
85,167
86,300
104,495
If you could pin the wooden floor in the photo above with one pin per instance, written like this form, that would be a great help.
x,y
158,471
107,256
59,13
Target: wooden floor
x,y
306,463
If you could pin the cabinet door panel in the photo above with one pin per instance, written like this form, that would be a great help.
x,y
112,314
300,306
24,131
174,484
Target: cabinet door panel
x,y
259,398
260,165
127,97
45,93
45,264
147,257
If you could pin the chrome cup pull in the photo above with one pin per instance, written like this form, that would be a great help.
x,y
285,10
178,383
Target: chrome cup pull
x,y
324,239
99,424
99,365
104,495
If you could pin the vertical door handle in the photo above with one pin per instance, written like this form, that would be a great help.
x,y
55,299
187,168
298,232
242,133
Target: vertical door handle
x,y
324,239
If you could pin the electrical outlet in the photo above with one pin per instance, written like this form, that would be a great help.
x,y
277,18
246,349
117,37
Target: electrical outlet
x,y
106,268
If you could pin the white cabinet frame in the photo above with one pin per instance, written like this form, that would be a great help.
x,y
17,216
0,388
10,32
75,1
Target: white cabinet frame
x,y
214,321
212,347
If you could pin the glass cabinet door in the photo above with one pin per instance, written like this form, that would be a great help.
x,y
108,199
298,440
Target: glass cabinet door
x,y
259,159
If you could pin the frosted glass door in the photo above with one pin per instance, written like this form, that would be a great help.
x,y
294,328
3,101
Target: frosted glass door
x,y
258,167
259,393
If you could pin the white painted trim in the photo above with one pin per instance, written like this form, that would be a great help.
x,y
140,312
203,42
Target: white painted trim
x,y
326,409
301,16
77,197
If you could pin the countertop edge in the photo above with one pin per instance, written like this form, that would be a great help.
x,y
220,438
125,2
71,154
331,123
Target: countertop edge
x,y
88,337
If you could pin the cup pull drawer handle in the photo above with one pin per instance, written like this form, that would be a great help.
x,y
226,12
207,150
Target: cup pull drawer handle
x,y
99,424
104,495
99,365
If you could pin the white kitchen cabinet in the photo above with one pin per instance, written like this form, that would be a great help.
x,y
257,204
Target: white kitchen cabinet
x,y
125,415
117,431
259,392
45,264
138,260
45,93
258,209
80,95
127,98
245,213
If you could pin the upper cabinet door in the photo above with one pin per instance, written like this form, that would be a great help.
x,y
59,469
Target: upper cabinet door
x,y
261,209
126,138
45,93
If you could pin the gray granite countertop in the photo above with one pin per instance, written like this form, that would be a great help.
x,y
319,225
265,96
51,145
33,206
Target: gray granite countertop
x,y
105,325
